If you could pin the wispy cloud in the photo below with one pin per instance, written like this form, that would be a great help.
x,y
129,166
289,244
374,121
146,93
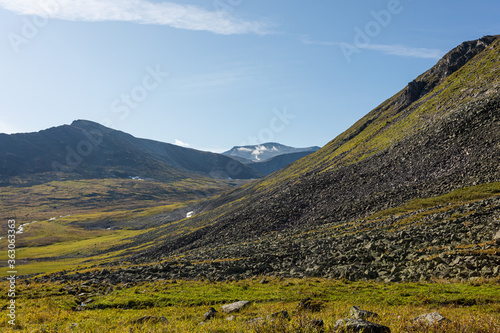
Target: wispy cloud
x,y
406,51
167,13
221,79
393,49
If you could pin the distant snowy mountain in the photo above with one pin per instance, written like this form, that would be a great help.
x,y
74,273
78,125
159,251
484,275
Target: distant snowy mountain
x,y
265,151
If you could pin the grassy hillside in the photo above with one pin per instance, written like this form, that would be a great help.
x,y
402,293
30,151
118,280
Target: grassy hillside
x,y
60,198
85,222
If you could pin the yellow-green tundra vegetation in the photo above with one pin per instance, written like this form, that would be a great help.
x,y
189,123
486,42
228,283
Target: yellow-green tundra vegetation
x,y
179,306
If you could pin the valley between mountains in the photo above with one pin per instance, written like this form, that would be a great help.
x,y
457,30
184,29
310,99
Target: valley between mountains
x,y
408,194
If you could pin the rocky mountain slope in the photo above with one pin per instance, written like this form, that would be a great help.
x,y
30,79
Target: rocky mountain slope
x,y
87,150
410,191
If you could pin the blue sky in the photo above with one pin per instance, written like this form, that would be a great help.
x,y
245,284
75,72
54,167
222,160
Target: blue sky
x,y
218,73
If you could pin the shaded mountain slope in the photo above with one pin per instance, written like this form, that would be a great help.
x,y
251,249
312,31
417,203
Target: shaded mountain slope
x,y
86,150
445,140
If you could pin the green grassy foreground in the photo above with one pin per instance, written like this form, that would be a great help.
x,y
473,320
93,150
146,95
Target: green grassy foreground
x,y
471,307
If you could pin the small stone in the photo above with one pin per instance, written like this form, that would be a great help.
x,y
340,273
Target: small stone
x,y
309,304
432,318
211,313
254,321
234,307
317,324
279,315
230,318
496,237
356,313
146,319
349,325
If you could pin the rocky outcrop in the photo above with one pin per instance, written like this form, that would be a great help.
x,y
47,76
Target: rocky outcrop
x,y
449,64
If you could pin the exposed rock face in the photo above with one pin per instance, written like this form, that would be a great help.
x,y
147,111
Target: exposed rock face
x,y
449,64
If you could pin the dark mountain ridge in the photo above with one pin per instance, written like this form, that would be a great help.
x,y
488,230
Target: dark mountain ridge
x,y
85,150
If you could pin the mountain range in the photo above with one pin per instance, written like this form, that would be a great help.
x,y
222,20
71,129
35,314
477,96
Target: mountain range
x,y
265,151
88,150
268,157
